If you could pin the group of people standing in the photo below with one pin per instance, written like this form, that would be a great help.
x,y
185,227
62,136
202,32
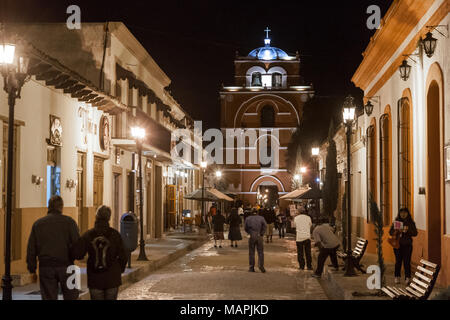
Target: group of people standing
x,y
328,243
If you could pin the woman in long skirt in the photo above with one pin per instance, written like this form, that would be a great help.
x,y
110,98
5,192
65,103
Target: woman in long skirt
x,y
234,235
218,221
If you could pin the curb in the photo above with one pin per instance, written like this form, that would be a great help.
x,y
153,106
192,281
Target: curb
x,y
332,288
143,271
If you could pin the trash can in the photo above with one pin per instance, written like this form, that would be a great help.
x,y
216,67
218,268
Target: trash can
x,y
129,230
129,233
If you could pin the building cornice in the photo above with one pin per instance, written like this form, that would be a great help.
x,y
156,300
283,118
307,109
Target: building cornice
x,y
400,20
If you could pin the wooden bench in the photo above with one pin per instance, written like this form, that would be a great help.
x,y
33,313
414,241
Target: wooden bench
x,y
357,253
421,285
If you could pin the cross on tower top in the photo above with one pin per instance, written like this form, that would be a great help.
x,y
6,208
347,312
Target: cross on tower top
x,y
267,32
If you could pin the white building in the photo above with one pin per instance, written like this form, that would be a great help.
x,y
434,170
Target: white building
x,y
87,89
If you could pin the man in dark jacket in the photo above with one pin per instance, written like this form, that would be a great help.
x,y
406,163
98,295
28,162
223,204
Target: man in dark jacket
x,y
50,241
269,216
107,257
255,226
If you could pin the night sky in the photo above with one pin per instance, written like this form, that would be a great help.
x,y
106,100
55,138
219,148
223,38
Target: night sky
x,y
194,42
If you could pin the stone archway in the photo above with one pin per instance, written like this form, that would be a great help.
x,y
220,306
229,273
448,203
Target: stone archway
x,y
265,179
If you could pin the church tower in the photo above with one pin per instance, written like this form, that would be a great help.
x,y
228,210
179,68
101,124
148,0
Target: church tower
x,y
266,99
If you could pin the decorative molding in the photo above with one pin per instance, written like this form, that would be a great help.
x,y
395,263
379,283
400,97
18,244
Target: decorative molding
x,y
261,96
16,122
267,176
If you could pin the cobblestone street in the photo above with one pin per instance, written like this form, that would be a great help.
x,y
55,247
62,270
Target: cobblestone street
x,y
222,274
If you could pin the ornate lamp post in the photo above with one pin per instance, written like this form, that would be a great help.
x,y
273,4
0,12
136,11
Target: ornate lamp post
x,y
203,165
14,68
139,135
349,115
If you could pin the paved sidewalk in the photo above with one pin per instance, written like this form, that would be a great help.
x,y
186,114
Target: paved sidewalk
x,y
339,287
160,252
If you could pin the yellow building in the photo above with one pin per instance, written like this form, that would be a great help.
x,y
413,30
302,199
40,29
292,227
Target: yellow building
x,y
401,153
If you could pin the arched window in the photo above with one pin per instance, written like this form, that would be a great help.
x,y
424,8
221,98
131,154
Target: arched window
x,y
256,79
385,168
267,117
371,158
276,80
404,154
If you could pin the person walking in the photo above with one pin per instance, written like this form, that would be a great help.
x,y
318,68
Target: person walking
x,y
234,234
303,224
255,226
107,258
328,244
405,231
241,213
269,216
281,224
50,242
218,221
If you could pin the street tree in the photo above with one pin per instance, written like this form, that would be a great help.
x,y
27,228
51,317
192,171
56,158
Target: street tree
x,y
330,189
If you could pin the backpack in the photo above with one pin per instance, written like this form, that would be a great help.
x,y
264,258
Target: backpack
x,y
103,257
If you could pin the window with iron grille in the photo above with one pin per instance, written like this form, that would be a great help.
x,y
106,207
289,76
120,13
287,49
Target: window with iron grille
x,y
371,164
404,154
385,168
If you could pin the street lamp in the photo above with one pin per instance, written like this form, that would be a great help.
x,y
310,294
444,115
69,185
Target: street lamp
x,y
349,116
203,165
315,155
138,134
14,70
429,44
405,70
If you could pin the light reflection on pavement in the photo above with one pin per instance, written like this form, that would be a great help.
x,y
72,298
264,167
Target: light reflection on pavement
x,y
209,273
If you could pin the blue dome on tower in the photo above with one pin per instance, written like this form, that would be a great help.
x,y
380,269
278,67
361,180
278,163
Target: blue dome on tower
x,y
268,52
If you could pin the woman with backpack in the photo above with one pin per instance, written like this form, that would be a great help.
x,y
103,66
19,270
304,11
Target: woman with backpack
x,y
403,229
107,257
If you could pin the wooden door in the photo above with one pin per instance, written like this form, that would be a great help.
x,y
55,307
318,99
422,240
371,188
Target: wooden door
x,y
158,202
116,205
149,203
98,182
82,219
434,177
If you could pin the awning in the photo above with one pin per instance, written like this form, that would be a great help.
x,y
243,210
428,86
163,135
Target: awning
x,y
312,193
209,194
221,195
294,194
